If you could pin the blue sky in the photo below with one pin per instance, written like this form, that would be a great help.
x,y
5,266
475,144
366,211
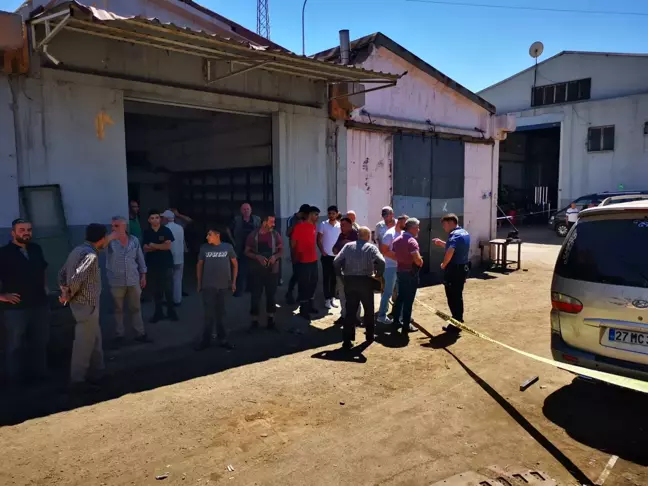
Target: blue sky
x,y
475,46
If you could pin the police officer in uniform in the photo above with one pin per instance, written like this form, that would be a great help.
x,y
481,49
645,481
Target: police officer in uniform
x,y
456,266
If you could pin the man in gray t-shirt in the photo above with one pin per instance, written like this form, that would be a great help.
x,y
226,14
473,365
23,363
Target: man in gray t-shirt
x,y
216,272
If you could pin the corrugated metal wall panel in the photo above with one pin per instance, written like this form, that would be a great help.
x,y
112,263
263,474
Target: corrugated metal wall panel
x,y
369,174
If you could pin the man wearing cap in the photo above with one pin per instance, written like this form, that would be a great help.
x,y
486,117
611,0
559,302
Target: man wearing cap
x,y
455,265
390,267
177,251
300,215
24,302
387,222
303,246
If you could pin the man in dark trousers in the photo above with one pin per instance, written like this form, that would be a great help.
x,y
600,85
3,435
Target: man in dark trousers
x,y
264,249
216,273
327,235
300,215
24,302
456,266
242,225
159,262
303,246
359,262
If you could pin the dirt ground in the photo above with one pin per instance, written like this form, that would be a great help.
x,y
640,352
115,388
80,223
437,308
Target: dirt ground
x,y
289,409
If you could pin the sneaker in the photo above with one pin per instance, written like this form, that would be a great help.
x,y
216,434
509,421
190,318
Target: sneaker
x,y
411,328
271,324
172,316
303,312
385,320
328,304
347,345
290,300
334,304
157,317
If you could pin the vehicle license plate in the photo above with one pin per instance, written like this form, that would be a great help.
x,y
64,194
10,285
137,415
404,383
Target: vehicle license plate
x,y
620,336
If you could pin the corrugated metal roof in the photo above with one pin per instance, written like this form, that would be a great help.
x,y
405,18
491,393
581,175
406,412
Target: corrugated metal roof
x,y
165,35
379,39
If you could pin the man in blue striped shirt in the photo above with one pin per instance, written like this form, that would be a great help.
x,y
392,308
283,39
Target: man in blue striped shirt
x,y
126,271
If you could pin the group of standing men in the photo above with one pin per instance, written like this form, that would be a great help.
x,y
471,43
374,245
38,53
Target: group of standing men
x,y
353,269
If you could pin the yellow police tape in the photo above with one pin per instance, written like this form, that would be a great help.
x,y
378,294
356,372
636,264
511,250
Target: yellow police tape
x,y
631,383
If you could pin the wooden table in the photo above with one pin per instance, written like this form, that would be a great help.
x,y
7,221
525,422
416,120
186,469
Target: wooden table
x,y
501,261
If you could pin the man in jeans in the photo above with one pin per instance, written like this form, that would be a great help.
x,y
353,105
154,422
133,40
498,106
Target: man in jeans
x,y
159,262
24,302
216,273
391,264
126,272
80,283
358,261
409,263
327,236
303,245
264,249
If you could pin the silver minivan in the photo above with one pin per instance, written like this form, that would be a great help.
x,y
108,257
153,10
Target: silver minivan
x,y
599,293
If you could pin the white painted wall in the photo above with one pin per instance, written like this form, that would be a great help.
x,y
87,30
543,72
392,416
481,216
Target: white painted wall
x,y
9,209
418,97
612,76
59,143
369,174
90,171
478,196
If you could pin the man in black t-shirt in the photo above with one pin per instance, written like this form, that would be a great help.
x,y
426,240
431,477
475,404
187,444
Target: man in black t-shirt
x,y
159,262
24,301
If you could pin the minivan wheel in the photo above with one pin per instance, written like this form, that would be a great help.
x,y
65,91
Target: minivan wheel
x,y
562,230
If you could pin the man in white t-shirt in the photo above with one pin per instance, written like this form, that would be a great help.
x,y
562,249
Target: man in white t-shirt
x,y
327,235
390,267
178,251
572,215
387,222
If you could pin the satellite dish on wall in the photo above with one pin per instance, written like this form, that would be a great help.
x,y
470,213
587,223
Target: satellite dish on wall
x,y
536,49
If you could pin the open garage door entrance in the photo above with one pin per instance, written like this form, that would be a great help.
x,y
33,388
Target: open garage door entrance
x,y
528,172
204,163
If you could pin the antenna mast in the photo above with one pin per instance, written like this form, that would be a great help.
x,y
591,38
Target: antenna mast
x,y
263,19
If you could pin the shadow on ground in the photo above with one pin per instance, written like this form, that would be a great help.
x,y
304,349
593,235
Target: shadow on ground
x,y
166,366
604,417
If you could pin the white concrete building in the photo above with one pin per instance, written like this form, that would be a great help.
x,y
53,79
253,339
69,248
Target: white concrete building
x,y
427,146
116,107
582,121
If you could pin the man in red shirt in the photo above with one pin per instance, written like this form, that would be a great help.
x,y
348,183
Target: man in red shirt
x,y
303,243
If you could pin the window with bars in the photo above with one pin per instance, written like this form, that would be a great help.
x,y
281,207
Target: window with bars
x,y
600,139
570,91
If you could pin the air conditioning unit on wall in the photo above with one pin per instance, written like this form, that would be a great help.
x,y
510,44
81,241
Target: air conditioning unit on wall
x,y
14,54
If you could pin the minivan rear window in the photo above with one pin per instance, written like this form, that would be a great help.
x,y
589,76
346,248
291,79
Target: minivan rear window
x,y
611,252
